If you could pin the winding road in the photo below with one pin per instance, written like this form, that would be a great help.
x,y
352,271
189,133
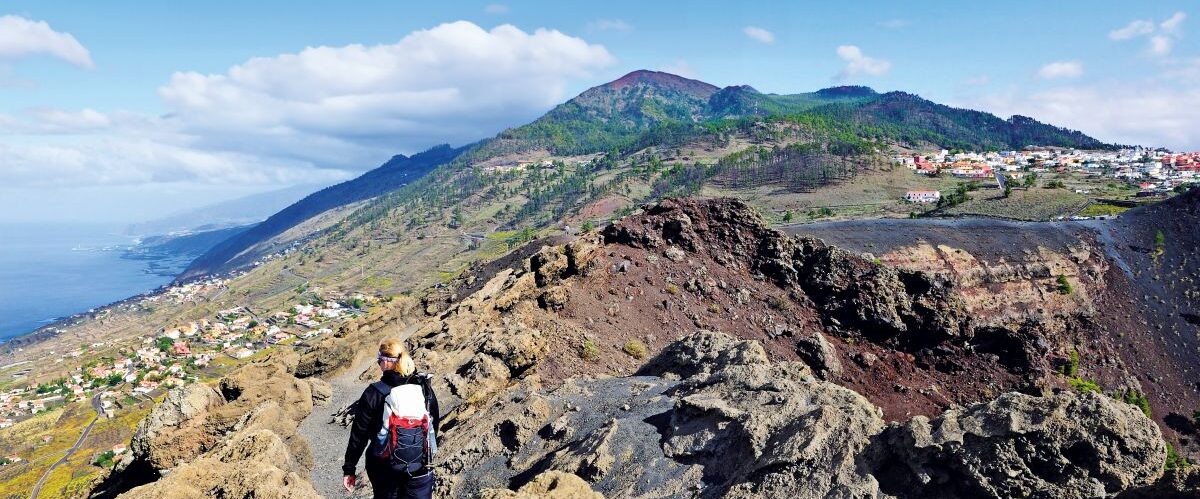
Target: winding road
x,y
99,411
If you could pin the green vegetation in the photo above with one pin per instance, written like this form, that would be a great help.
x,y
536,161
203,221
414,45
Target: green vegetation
x,y
164,343
1084,385
956,197
1160,245
1030,179
821,212
1138,399
1071,371
589,351
1055,184
588,226
635,349
1064,286
1174,459
520,237
1100,209
104,460
1072,368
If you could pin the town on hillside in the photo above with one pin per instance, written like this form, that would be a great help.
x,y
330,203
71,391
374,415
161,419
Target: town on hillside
x,y
1153,172
177,355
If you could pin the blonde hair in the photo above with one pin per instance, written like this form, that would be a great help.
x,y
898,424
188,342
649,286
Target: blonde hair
x,y
393,347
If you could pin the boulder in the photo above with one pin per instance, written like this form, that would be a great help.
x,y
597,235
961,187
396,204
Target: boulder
x,y
548,485
253,464
327,356
703,352
816,351
176,430
1064,445
770,430
322,391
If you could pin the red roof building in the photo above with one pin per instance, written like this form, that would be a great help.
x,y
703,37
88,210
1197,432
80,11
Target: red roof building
x,y
180,349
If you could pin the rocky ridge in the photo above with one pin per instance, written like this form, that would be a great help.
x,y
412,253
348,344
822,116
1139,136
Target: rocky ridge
x,y
823,358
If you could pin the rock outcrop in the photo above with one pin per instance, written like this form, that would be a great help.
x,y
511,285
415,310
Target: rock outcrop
x,y
1065,445
548,485
235,439
905,308
739,425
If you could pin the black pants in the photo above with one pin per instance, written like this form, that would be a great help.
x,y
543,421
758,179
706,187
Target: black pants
x,y
387,483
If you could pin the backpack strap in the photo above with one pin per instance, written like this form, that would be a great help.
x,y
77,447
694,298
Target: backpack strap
x,y
383,388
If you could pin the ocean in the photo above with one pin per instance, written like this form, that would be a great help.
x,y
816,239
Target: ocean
x,y
48,271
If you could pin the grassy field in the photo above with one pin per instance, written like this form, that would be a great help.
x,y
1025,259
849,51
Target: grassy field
x,y
1023,204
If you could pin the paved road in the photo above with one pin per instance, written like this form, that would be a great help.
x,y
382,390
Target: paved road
x,y
99,411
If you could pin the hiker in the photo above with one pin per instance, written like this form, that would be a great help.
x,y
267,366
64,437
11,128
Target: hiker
x,y
396,421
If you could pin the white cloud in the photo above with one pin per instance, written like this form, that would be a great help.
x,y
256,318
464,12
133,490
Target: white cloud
x,y
54,121
322,113
859,64
1135,28
115,161
1171,26
22,37
1146,113
1061,69
496,8
681,68
609,25
456,82
760,34
1161,36
1160,45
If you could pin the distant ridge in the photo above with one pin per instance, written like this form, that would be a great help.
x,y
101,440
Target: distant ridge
x,y
395,173
653,108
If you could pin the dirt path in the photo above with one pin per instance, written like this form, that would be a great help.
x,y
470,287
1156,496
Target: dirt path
x,y
37,489
327,439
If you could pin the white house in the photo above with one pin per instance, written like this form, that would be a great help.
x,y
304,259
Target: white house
x,y
923,196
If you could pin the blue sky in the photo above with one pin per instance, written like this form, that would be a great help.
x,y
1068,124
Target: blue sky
x,y
127,110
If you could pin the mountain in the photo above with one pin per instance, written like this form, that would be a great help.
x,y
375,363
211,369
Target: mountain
x,y
819,137
247,246
242,211
909,119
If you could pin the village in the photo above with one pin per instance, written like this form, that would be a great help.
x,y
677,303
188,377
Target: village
x,y
1154,172
176,355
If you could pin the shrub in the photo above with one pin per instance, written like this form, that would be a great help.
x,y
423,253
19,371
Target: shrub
x,y
589,226
635,349
1084,385
1064,286
1135,397
779,303
589,351
714,308
1174,460
104,460
1072,368
672,289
